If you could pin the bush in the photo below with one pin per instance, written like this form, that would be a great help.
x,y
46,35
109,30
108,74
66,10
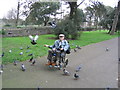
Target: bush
x,y
68,28
7,25
2,32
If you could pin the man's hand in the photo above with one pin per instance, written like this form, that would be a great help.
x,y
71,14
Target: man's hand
x,y
53,49
61,49
46,45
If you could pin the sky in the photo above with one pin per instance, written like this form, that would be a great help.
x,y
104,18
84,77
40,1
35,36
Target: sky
x,y
6,5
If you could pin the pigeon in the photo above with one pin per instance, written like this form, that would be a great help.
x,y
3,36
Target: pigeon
x,y
33,63
78,68
23,67
107,88
119,60
31,59
66,72
76,76
21,48
15,62
2,66
107,49
66,62
28,47
21,53
10,51
33,39
3,54
75,50
1,71
27,51
78,47
30,54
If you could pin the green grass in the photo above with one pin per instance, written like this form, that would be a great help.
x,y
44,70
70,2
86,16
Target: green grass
x,y
14,44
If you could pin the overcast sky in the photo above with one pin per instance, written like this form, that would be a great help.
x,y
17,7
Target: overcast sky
x,y
6,5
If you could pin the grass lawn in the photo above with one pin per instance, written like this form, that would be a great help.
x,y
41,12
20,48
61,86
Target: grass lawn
x,y
14,44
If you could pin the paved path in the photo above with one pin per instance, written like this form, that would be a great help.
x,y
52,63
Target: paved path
x,y
99,70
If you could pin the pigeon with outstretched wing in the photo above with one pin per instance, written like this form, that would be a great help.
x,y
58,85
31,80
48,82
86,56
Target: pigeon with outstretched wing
x,y
33,39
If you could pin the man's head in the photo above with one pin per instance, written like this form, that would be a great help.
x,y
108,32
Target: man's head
x,y
61,36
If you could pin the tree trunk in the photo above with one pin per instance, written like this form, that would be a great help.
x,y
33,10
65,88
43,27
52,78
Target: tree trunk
x,y
18,8
115,19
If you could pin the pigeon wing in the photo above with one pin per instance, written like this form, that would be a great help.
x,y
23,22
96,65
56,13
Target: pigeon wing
x,y
31,37
36,37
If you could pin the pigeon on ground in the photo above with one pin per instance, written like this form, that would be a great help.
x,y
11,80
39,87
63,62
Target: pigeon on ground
x,y
33,63
75,50
15,62
107,49
119,60
107,88
10,51
30,54
23,67
33,39
76,76
1,72
28,47
27,51
66,62
1,66
78,47
21,48
78,68
65,72
31,59
3,54
21,53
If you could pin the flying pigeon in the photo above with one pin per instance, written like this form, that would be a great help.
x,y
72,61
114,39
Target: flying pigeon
x,y
75,50
23,67
78,68
31,59
33,39
21,53
66,72
15,62
30,54
78,47
33,63
76,76
10,51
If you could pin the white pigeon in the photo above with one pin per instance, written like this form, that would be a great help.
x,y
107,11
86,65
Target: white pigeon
x,y
33,39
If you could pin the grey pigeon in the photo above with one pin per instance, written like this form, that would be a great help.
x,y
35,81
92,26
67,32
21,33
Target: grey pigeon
x,y
107,88
75,50
21,48
33,39
28,47
76,76
78,68
3,54
27,51
1,66
65,72
15,62
31,59
30,54
78,47
23,67
33,63
107,49
21,53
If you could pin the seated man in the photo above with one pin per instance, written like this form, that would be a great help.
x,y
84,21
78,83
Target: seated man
x,y
59,48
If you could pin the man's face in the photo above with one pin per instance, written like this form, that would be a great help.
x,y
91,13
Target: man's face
x,y
61,37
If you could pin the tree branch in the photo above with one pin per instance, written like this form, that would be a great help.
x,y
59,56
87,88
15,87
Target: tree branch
x,y
80,3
